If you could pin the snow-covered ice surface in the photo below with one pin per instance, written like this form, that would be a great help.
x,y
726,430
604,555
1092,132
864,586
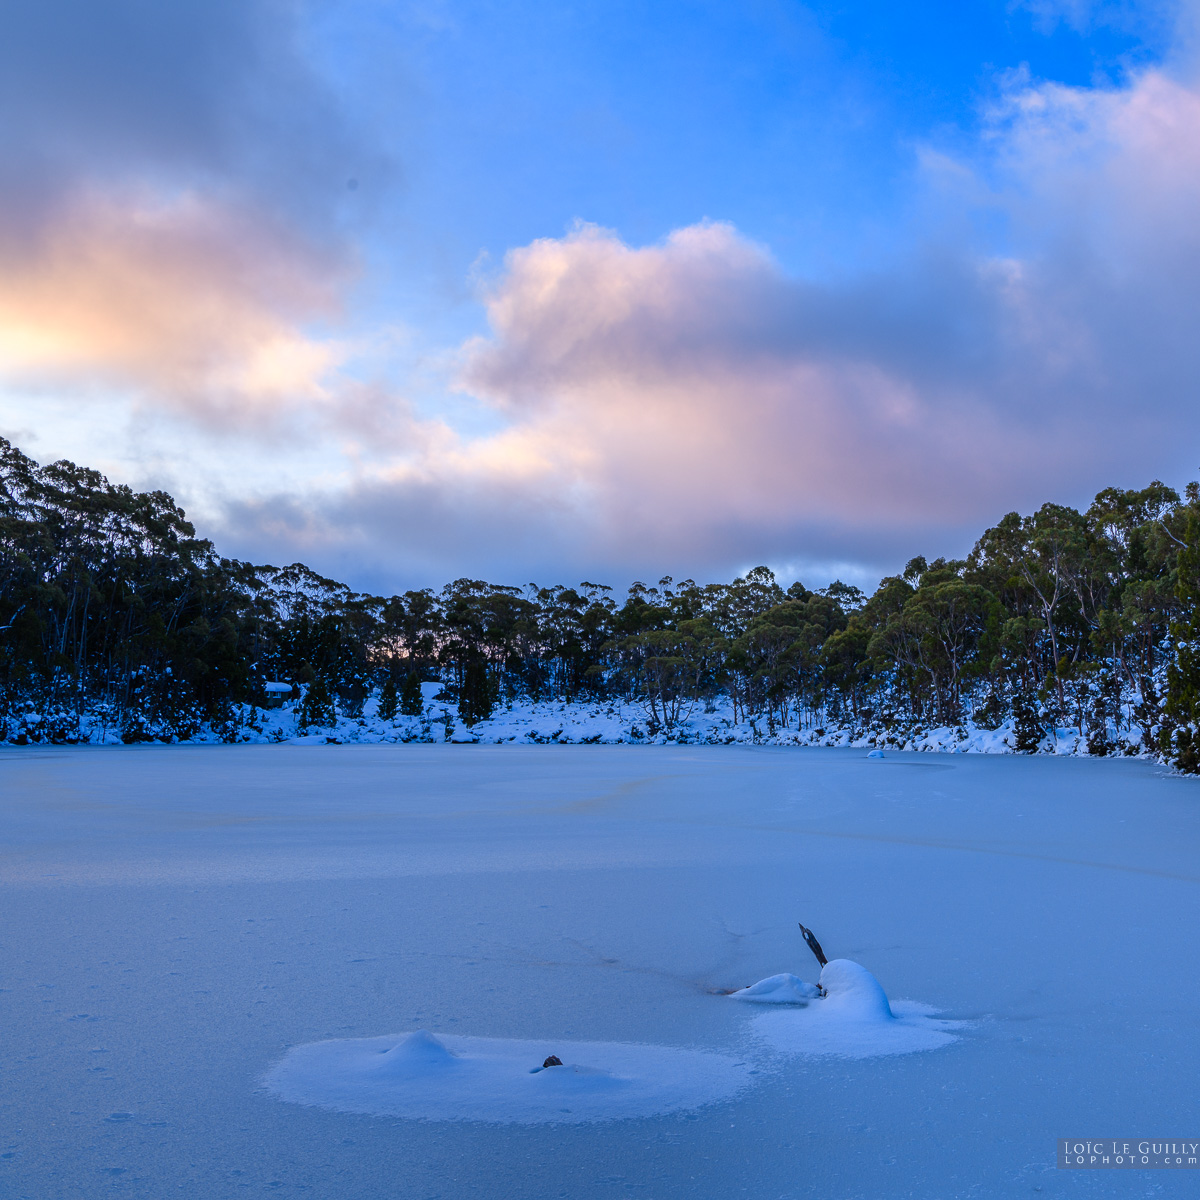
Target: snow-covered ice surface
x,y
178,921
422,1077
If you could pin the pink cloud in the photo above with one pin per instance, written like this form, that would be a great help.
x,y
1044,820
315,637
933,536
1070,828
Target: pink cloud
x,y
188,303
693,383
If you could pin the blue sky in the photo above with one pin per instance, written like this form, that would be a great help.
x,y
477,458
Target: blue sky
x,y
411,291
797,123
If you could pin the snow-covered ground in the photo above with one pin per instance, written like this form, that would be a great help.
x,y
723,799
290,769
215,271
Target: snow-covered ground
x,y
214,958
589,723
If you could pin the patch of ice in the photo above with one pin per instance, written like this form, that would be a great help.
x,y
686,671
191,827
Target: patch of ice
x,y
854,1019
779,989
456,1078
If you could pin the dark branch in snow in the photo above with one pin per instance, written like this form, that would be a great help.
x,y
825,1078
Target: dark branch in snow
x,y
814,945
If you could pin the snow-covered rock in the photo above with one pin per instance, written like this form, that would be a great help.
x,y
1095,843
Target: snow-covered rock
x,y
854,1019
779,989
851,990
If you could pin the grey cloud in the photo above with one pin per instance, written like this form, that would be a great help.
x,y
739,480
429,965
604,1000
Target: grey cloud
x,y
215,94
388,539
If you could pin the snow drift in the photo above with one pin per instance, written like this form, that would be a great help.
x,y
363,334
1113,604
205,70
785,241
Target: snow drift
x,y
779,989
455,1078
853,1019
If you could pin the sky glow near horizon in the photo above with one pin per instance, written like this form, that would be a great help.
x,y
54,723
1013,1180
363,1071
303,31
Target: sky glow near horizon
x,y
554,292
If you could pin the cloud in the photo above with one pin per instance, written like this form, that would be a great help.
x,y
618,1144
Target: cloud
x,y
193,306
681,406
689,406
172,225
1100,186
1083,16
170,205
214,95
693,383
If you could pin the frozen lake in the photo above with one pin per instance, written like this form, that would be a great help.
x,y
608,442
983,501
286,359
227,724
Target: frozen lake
x,y
176,918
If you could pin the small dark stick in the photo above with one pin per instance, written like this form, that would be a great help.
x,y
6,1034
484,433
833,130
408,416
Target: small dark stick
x,y
813,944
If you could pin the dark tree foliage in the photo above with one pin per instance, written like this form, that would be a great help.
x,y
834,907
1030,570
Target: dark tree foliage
x,y
1183,674
476,695
1028,733
412,703
114,616
317,706
389,700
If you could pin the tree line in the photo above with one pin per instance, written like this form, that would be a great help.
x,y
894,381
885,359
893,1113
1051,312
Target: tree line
x,y
111,609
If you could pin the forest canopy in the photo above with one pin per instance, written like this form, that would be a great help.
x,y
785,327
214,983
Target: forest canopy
x,y
114,615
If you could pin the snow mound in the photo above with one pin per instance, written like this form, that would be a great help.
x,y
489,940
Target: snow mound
x,y
419,1054
779,989
455,1078
875,754
852,991
854,1019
